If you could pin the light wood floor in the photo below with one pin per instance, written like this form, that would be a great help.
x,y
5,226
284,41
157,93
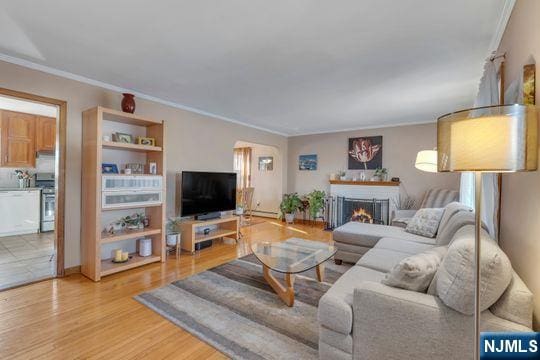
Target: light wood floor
x,y
75,318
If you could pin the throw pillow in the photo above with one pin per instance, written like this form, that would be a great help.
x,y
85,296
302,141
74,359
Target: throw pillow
x,y
455,277
425,222
416,272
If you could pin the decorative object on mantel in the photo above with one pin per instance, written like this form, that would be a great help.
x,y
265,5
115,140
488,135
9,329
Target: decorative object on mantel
x,y
128,103
529,91
426,160
501,138
334,176
380,174
290,204
23,176
395,179
342,175
307,162
365,153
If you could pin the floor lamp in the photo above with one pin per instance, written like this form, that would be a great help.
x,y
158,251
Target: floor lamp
x,y
487,139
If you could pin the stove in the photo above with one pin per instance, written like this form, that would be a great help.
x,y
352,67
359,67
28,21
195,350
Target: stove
x,y
45,181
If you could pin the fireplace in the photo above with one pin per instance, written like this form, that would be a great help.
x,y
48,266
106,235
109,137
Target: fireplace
x,y
341,210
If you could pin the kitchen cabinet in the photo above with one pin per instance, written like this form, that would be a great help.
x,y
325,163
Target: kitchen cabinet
x,y
19,211
45,134
17,139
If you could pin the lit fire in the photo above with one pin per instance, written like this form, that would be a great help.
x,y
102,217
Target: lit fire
x,y
362,216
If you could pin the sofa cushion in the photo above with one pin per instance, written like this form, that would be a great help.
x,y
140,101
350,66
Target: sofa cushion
x,y
438,198
335,306
381,259
415,272
405,246
455,277
516,303
425,222
459,220
449,211
356,233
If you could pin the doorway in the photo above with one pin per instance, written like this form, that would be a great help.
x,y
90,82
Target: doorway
x,y
32,178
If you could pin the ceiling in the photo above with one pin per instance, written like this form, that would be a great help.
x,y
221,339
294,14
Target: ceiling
x,y
288,66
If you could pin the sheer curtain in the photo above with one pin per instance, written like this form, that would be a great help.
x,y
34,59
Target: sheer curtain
x,y
488,94
242,165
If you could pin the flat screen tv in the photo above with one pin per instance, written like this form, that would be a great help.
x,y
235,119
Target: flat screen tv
x,y
207,192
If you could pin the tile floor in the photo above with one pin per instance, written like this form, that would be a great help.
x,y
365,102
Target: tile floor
x,y
26,258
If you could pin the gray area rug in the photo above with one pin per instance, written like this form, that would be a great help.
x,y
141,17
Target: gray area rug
x,y
232,308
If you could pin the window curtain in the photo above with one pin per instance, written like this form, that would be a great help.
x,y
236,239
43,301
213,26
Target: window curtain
x,y
242,166
488,94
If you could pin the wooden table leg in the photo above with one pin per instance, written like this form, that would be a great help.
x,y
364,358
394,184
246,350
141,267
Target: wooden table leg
x,y
320,272
286,293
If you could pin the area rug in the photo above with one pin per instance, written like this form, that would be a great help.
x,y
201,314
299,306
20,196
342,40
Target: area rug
x,y
232,308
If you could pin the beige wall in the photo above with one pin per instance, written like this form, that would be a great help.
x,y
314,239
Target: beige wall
x,y
195,142
520,212
400,146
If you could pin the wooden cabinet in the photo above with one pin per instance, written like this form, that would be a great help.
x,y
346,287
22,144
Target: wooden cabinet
x,y
45,133
17,139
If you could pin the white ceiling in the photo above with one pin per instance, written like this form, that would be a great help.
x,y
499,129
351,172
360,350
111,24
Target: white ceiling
x,y
289,66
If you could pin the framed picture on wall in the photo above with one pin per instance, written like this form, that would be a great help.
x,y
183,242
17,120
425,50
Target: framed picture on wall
x,y
365,153
307,162
266,163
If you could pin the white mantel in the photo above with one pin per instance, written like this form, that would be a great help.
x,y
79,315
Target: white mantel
x,y
366,190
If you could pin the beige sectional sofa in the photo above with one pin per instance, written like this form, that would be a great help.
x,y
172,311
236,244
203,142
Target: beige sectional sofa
x,y
361,318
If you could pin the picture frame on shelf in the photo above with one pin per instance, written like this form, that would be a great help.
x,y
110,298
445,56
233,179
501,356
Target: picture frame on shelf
x,y
123,138
135,168
107,168
146,141
152,168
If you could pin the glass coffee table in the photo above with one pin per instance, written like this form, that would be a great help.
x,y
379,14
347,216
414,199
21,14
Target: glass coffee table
x,y
291,257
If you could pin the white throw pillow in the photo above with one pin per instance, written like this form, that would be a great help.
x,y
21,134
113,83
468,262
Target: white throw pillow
x,y
455,277
425,222
416,272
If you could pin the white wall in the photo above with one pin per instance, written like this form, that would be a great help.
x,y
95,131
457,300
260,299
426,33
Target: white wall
x,y
400,146
194,141
268,184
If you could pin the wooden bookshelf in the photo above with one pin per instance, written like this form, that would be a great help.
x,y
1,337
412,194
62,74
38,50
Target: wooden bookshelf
x,y
92,234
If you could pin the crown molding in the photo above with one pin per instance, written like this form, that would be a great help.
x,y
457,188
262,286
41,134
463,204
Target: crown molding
x,y
501,26
104,85
368,127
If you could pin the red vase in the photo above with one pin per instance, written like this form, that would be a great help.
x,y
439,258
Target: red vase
x,y
128,103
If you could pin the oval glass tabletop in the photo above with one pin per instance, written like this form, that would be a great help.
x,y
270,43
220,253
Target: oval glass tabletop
x,y
294,255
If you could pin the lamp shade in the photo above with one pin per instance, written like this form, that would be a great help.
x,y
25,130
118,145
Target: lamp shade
x,y
426,160
492,139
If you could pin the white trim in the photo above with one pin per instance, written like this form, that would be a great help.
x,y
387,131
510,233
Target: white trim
x,y
79,78
368,127
501,26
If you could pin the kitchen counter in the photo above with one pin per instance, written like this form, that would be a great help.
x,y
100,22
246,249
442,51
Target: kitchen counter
x,y
19,189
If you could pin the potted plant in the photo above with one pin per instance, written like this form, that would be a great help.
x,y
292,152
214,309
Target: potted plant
x,y
342,175
380,174
132,222
288,207
316,202
173,231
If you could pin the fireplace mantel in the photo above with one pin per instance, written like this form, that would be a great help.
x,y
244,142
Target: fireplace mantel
x,y
364,183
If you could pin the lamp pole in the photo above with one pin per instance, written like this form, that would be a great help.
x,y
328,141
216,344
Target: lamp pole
x,y
477,227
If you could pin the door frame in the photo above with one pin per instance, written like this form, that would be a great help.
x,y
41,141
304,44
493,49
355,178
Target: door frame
x,y
60,168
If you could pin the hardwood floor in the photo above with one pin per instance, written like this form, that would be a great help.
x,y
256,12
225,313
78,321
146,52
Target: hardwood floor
x,y
75,318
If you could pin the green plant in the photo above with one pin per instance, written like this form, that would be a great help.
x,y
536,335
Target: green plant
x,y
341,173
316,202
289,204
381,172
173,225
132,220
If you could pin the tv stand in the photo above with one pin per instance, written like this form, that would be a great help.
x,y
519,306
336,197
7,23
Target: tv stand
x,y
208,216
192,233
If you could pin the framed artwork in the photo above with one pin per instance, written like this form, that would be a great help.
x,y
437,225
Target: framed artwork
x,y
123,138
266,163
307,162
109,168
528,84
146,141
365,153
